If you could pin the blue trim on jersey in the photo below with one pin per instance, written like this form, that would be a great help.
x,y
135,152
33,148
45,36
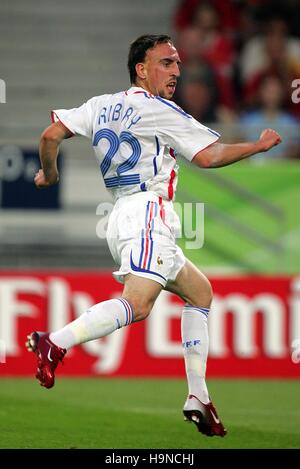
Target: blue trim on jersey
x,y
137,269
145,93
155,166
122,180
178,109
143,187
157,153
213,132
157,146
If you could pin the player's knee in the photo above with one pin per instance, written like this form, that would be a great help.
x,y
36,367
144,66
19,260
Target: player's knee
x,y
141,308
142,313
204,295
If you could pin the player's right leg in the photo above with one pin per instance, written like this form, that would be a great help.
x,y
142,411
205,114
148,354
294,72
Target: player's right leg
x,y
194,288
98,321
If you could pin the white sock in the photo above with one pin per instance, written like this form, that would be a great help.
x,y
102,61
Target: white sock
x,y
98,321
194,335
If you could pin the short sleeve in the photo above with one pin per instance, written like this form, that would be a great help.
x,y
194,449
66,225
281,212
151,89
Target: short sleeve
x,y
78,120
181,131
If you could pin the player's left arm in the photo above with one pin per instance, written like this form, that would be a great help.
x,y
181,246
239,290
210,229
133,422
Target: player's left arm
x,y
220,154
50,140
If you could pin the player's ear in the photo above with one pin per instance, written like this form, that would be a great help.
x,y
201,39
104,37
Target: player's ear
x,y
141,70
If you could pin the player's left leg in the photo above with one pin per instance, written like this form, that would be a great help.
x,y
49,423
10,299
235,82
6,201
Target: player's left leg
x,y
194,288
101,319
98,321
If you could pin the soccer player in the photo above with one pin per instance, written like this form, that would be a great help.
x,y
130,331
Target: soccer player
x,y
136,135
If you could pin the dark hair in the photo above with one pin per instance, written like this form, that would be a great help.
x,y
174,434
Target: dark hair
x,y
138,49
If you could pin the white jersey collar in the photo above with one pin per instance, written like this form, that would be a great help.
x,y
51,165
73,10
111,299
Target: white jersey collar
x,y
137,89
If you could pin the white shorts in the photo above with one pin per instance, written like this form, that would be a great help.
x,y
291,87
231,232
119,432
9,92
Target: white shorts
x,y
141,236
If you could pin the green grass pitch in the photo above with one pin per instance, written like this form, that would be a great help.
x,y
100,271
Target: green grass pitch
x,y
145,413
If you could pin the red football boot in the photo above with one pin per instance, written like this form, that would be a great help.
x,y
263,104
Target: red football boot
x,y
48,356
204,416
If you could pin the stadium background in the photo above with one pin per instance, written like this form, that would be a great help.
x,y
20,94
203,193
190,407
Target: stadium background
x,y
53,264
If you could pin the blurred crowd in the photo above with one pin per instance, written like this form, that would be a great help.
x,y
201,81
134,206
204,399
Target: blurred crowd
x,y
241,62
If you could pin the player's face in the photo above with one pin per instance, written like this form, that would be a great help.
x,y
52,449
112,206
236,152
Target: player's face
x,y
161,69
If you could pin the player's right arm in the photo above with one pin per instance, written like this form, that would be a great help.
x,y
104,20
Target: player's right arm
x,y
48,149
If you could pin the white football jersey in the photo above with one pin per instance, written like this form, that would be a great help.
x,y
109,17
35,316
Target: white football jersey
x,y
136,137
